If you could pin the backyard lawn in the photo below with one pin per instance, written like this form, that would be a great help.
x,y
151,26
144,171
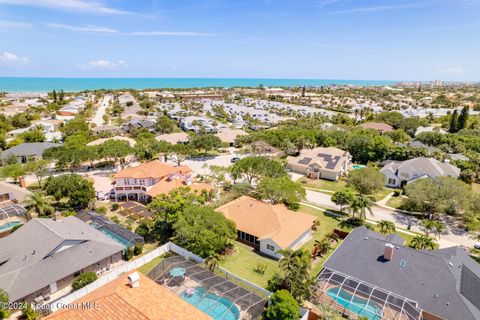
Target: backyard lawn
x,y
243,262
476,187
150,265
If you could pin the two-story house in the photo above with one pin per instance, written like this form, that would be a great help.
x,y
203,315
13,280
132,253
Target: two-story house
x,y
143,182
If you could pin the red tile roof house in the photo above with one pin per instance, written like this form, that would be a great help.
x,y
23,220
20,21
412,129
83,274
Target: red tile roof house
x,y
143,182
266,227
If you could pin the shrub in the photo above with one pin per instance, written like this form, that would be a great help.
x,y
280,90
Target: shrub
x,y
283,306
260,268
68,213
115,219
83,280
128,253
137,249
101,210
115,206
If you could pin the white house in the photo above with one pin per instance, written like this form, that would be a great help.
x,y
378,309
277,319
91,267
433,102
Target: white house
x,y
266,227
399,173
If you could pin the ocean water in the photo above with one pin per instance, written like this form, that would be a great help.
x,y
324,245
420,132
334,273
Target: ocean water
x,y
14,84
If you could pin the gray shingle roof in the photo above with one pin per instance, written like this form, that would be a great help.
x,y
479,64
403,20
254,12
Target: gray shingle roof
x,y
29,149
432,278
30,258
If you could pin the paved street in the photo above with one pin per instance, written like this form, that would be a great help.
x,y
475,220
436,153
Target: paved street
x,y
452,237
99,113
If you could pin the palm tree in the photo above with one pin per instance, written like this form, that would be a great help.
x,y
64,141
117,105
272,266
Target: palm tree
x,y
361,204
386,227
211,263
438,229
321,248
39,204
332,237
428,226
422,242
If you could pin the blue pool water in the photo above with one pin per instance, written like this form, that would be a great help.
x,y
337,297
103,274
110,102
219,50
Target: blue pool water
x,y
357,166
215,306
9,225
124,242
357,305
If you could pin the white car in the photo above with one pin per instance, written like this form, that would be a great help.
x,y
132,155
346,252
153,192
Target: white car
x,y
477,245
101,196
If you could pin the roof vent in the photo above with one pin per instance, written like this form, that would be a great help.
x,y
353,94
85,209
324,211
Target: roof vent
x,y
134,280
450,264
403,263
366,238
388,251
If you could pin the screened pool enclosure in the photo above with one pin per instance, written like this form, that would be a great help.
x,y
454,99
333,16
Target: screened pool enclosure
x,y
356,298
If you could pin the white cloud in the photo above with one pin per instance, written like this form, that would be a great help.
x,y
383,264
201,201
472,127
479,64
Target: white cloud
x,y
378,8
8,25
87,28
452,70
87,6
102,64
169,34
8,58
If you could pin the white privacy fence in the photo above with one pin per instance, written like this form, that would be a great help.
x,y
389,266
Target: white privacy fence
x,y
112,275
134,264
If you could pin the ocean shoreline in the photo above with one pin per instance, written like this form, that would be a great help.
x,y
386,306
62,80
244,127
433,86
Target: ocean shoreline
x,y
42,85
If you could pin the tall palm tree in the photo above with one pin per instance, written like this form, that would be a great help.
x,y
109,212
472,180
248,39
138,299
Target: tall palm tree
x,y
321,247
40,204
422,243
211,263
332,237
361,204
386,227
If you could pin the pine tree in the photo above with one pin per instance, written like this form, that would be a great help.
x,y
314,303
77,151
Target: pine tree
x,y
303,91
61,95
463,118
453,122
54,96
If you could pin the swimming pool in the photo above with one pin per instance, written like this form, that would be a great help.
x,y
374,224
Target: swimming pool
x,y
359,306
215,306
124,242
358,166
9,225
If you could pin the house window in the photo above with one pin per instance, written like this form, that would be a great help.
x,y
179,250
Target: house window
x,y
141,182
391,181
270,247
126,182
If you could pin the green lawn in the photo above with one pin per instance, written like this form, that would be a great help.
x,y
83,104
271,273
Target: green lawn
x,y
476,187
323,184
243,262
382,193
150,265
396,202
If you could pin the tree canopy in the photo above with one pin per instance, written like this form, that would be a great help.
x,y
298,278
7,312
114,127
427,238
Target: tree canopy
x,y
252,169
366,180
203,231
78,190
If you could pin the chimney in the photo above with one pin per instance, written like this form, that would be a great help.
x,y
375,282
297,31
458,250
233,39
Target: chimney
x,y
388,252
161,157
21,182
134,280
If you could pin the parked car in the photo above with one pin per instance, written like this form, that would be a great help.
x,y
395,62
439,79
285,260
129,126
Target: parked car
x,y
101,196
234,159
477,245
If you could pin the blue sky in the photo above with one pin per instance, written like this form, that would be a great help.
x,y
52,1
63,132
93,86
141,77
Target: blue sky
x,y
319,39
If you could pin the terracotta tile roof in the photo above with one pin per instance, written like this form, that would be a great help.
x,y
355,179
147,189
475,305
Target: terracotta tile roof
x,y
264,220
166,185
379,126
153,169
117,301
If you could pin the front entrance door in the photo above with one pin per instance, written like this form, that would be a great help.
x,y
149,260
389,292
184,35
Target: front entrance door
x,y
53,287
